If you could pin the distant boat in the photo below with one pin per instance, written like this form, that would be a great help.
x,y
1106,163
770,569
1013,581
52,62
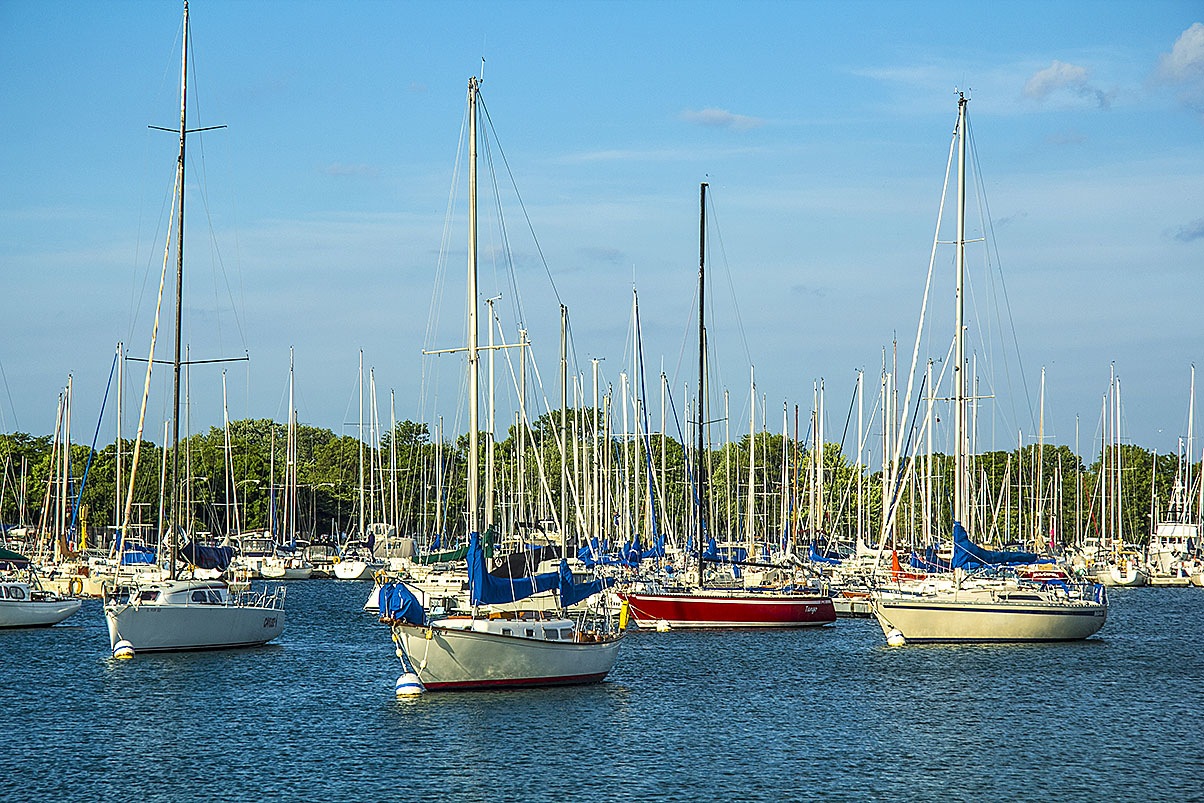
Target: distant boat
x,y
23,605
961,606
699,607
179,614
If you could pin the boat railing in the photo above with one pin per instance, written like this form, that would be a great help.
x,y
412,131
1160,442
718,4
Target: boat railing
x,y
271,597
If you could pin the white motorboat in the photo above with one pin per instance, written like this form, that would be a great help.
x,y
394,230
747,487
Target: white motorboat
x,y
23,605
194,615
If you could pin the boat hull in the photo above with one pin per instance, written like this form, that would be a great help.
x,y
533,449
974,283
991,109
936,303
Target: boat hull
x,y
451,659
159,628
36,614
924,620
354,570
698,609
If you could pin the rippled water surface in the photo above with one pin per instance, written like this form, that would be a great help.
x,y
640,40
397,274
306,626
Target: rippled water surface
x,y
831,714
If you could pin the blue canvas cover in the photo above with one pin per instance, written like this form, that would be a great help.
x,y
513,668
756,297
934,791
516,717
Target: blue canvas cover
x,y
485,589
399,603
202,557
814,556
137,555
969,555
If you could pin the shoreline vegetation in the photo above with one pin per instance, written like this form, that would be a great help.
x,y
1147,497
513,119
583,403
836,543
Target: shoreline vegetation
x,y
1044,496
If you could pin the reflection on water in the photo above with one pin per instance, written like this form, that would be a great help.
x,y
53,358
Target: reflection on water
x,y
828,714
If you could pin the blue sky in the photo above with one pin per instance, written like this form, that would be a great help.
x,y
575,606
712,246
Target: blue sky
x,y
315,219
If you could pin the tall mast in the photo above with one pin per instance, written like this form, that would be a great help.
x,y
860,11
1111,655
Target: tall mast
x,y
701,411
959,375
175,415
474,446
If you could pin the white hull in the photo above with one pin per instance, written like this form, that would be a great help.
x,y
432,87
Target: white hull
x,y
984,620
152,628
36,614
461,658
1123,577
355,570
194,615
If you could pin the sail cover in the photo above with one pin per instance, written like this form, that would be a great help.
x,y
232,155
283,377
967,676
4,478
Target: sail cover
x,y
204,557
969,555
485,589
399,603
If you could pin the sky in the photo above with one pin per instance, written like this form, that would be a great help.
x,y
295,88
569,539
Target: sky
x,y
327,217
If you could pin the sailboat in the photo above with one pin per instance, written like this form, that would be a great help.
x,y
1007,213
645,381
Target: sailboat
x,y
178,613
967,606
698,606
484,649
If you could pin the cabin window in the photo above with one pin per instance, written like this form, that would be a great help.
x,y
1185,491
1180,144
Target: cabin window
x,y
567,633
531,632
214,597
549,634
506,631
14,592
147,596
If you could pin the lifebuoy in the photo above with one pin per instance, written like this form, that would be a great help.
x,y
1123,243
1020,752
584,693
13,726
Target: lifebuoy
x,y
75,587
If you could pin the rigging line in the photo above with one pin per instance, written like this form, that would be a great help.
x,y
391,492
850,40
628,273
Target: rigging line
x,y
993,243
508,253
647,436
92,450
522,205
714,221
9,393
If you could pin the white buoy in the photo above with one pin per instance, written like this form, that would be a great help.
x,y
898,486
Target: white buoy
x,y
123,649
399,653
408,685
662,626
895,638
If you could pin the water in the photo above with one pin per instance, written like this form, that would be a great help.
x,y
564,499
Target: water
x,y
831,714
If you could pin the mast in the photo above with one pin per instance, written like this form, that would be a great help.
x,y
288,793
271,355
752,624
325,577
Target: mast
x,y
960,502
474,446
175,415
701,411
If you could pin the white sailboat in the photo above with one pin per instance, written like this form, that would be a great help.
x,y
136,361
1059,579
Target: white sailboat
x,y
973,607
505,649
186,614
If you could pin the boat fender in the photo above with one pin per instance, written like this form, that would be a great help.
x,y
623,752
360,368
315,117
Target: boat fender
x,y
895,638
663,626
123,649
430,634
75,587
409,685
624,612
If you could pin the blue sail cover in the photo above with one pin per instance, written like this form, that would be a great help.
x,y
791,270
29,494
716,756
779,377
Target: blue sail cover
x,y
814,556
969,555
398,602
485,589
137,555
202,557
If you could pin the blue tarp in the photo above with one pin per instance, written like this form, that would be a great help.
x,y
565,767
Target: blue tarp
x,y
398,602
815,557
969,555
135,555
485,589
202,557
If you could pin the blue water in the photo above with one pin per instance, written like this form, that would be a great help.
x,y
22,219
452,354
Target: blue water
x,y
831,714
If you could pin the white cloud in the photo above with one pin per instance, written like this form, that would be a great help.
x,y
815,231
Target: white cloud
x,y
1184,66
721,118
1185,62
1073,78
